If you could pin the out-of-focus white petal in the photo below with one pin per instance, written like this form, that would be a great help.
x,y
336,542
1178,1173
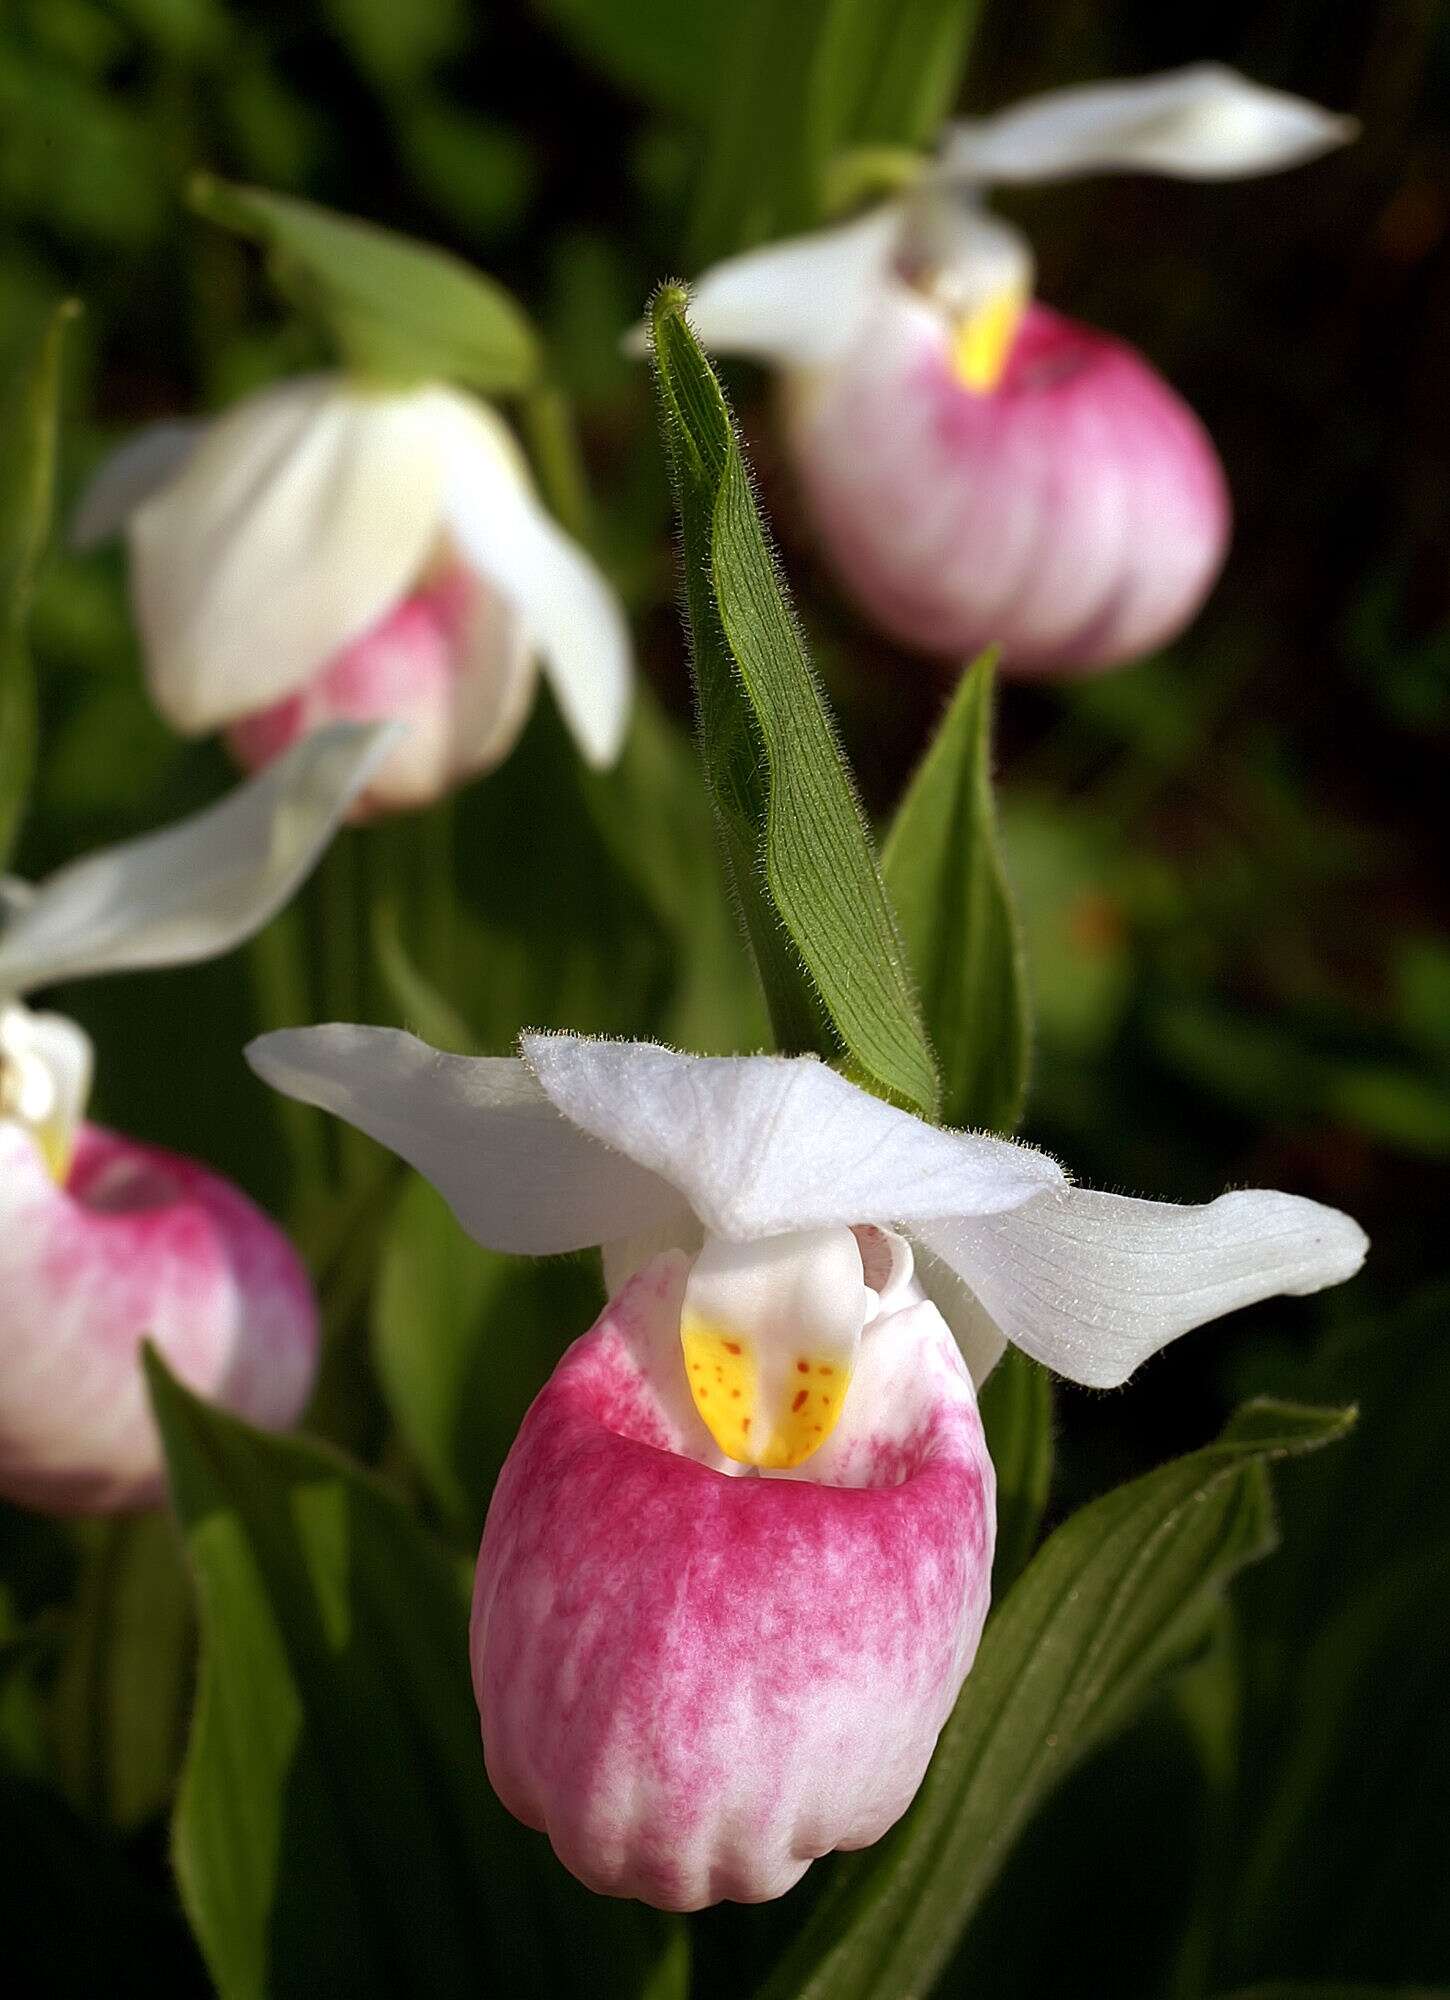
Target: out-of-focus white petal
x,y
298,520
802,302
517,1175
46,1065
764,1144
139,468
570,615
1091,1284
1205,122
962,256
198,888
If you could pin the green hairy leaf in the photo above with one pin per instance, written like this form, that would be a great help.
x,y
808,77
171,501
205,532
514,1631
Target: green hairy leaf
x,y
797,853
27,485
1114,1600
943,867
334,1732
398,310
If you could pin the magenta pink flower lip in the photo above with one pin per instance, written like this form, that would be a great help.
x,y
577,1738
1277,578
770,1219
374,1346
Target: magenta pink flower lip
x,y
697,1683
139,1243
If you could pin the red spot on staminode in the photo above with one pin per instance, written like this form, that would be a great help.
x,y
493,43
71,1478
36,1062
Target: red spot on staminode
x,y
735,1395
801,1396
704,1395
745,1423
732,1347
804,1367
827,1371
817,1430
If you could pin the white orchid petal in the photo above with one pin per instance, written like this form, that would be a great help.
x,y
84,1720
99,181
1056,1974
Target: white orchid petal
x,y
198,888
802,302
300,518
1091,1284
129,476
46,1066
980,1341
572,617
1205,122
769,1332
759,1145
518,1176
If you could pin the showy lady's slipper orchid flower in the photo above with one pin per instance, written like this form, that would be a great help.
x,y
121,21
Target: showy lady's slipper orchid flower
x,y
737,1563
105,1242
979,469
330,551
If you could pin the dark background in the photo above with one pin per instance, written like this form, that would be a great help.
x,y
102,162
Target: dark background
x,y
1230,858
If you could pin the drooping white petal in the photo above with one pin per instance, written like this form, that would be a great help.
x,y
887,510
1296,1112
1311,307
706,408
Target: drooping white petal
x,y
517,1175
198,888
763,1144
299,519
802,302
1205,122
570,614
769,1332
129,476
1091,1284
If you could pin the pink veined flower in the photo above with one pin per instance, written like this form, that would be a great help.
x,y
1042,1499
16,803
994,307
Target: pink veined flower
x,y
738,1560
326,551
980,470
106,1242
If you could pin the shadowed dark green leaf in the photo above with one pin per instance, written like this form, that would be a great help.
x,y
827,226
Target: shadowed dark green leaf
x,y
464,1340
943,867
797,852
27,483
124,1682
335,1832
398,310
1016,1405
1113,1601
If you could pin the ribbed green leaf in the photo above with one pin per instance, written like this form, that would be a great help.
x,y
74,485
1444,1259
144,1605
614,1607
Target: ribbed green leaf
x,y
335,1734
398,310
1016,1406
796,848
943,867
1112,1602
823,78
27,482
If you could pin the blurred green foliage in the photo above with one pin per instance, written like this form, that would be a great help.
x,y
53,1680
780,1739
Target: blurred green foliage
x,y
1229,862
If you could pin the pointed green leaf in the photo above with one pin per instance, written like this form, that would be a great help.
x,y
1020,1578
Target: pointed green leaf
x,y
797,852
27,484
943,867
335,1832
1114,1600
1016,1405
398,310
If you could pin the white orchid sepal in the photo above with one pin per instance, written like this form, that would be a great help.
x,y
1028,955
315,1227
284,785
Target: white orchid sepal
x,y
580,1142
805,302
191,892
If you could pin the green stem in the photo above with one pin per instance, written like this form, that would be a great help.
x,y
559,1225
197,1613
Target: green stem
x,y
277,963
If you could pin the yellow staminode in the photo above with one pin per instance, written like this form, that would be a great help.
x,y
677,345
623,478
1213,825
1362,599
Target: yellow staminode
x,y
983,340
760,1420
